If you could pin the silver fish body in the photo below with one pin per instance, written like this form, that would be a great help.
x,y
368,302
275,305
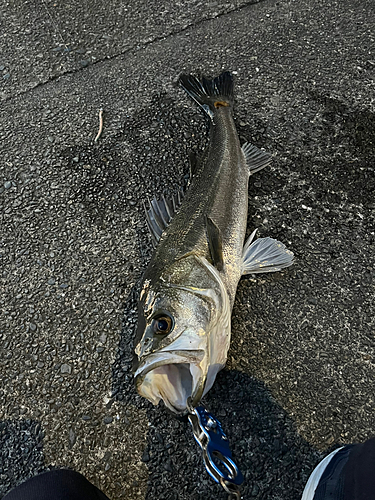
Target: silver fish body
x,y
189,287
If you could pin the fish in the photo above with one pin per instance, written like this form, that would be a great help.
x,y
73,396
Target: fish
x,y
188,289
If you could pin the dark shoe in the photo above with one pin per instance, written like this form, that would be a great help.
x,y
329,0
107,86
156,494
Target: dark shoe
x,y
347,473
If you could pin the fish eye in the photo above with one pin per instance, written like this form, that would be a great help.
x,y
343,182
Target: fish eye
x,y
162,324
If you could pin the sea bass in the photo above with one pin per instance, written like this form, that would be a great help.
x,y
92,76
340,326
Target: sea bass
x,y
188,290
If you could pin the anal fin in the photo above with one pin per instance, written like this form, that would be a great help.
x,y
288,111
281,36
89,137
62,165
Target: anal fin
x,y
256,159
265,255
215,243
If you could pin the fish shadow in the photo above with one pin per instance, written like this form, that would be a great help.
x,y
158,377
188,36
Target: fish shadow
x,y
274,459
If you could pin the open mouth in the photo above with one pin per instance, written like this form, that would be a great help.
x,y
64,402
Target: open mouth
x,y
173,376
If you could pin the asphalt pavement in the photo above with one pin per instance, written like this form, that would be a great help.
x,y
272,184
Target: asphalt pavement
x,y
74,242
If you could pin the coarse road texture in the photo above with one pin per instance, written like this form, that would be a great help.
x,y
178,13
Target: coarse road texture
x,y
74,244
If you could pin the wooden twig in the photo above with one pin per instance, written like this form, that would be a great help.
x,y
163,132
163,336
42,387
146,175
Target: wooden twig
x,y
100,124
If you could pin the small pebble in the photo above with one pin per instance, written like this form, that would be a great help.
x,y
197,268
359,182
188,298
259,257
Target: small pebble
x,y
72,437
168,466
255,490
159,437
65,368
7,184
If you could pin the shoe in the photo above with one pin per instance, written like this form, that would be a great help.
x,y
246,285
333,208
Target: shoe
x,y
347,473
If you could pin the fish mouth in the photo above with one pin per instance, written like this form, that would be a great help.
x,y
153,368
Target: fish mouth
x,y
176,377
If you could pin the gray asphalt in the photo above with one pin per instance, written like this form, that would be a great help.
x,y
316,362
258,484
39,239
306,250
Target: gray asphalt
x,y
74,243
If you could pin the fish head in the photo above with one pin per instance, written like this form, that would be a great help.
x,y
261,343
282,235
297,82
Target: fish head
x,y
183,333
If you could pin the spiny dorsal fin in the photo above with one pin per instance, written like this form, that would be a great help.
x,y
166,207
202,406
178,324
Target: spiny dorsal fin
x,y
215,243
160,214
256,159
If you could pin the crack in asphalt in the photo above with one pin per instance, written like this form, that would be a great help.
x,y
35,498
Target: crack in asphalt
x,y
137,46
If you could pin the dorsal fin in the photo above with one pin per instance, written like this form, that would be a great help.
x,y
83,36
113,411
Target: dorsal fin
x,y
160,214
256,159
215,243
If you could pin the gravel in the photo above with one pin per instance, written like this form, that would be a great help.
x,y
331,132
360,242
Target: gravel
x,y
74,243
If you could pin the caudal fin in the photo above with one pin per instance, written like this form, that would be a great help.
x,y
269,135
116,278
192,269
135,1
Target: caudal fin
x,y
209,94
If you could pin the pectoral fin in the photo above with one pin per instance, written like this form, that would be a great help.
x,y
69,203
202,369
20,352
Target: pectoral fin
x,y
215,243
265,255
256,159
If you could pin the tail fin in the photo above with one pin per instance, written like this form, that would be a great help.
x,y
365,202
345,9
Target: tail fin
x,y
209,94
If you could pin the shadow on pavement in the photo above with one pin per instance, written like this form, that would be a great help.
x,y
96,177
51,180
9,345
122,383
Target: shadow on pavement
x,y
274,459
21,452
